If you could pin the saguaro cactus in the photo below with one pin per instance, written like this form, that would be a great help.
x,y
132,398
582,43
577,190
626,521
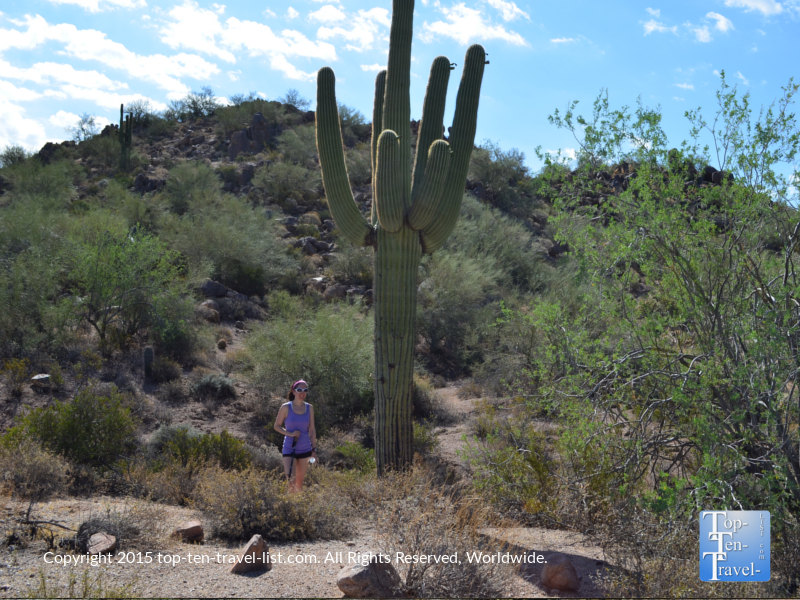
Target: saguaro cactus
x,y
410,216
125,140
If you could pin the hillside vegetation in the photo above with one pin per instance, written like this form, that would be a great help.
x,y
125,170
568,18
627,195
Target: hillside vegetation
x,y
628,323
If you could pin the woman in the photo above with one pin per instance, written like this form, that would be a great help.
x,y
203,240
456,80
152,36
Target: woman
x,y
296,422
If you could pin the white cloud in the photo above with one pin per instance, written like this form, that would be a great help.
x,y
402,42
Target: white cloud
x,y
761,32
234,75
90,44
195,28
269,14
568,153
717,73
723,24
16,128
685,86
9,92
64,119
292,13
742,77
376,67
364,29
327,14
656,12
110,100
653,25
766,7
466,25
562,40
99,5
678,99
508,10
259,40
279,63
48,73
702,34
754,49
218,8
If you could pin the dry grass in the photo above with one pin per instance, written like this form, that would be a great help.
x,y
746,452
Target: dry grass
x,y
240,504
90,584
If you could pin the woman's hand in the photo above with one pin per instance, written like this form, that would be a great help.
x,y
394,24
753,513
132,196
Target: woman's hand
x,y
295,434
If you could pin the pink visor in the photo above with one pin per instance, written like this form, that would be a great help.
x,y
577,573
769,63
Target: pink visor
x,y
296,383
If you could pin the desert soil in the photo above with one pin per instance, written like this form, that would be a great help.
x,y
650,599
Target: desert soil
x,y
21,569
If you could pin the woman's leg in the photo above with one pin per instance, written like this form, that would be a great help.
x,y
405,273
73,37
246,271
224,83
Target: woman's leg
x,y
300,466
289,471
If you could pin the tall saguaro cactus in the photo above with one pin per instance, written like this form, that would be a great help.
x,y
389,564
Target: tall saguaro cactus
x,y
410,216
125,140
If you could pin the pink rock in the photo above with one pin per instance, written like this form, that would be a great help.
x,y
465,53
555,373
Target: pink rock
x,y
254,557
559,573
101,543
190,531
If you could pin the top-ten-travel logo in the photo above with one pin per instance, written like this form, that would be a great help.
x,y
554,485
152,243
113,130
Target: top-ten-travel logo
x,y
734,545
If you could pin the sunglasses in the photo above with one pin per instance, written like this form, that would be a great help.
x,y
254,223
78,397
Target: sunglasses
x,y
302,390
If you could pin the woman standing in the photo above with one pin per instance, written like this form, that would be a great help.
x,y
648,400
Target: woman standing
x,y
296,422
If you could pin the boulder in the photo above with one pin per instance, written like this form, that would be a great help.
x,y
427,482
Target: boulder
x,y
559,573
310,218
321,246
335,292
222,344
198,139
213,289
212,304
207,313
239,143
318,283
248,170
708,173
189,531
373,580
101,543
254,557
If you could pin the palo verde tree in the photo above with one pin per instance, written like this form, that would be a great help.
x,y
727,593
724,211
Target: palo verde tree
x,y
411,216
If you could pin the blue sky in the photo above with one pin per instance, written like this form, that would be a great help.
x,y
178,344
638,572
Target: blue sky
x,y
62,58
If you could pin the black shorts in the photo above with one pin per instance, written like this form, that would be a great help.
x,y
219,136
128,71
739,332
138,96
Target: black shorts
x,y
300,455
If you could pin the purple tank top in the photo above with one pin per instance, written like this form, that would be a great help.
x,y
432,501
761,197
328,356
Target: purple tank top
x,y
295,422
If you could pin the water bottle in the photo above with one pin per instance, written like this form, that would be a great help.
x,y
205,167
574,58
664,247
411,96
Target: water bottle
x,y
312,460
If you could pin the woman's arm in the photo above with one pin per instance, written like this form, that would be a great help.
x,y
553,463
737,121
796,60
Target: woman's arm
x,y
312,431
282,414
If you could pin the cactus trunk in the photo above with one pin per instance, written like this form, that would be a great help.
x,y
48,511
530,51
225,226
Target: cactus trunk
x,y
410,216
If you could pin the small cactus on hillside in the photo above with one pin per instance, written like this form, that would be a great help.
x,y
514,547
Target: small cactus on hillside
x,y
411,215
125,140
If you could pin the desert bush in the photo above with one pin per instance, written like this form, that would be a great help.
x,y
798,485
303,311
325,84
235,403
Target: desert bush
x,y
299,146
13,154
282,180
165,370
449,303
232,242
190,185
425,440
193,106
294,98
29,471
353,264
186,447
43,187
159,127
352,455
239,505
94,428
15,371
213,386
359,164
353,125
503,174
103,151
92,583
419,517
330,348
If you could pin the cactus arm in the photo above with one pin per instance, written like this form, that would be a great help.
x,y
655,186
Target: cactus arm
x,y
426,206
397,103
331,157
462,140
388,188
430,128
377,127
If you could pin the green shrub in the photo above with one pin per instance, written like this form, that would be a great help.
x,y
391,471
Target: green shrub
x,y
94,428
216,387
299,146
330,348
425,440
15,371
159,127
282,180
359,164
165,370
29,471
47,187
103,150
354,456
353,264
187,446
239,505
190,185
13,155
